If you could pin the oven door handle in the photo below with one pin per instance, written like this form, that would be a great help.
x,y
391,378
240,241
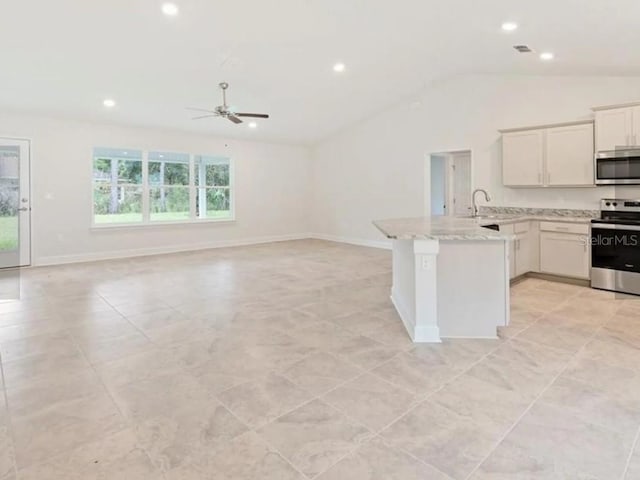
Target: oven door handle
x,y
615,226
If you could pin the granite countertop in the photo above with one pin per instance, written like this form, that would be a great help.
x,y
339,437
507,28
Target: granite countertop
x,y
467,228
438,228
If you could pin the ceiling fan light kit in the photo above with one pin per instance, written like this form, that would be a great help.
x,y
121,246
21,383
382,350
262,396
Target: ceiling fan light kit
x,y
225,111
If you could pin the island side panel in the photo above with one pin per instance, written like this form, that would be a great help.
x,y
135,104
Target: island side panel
x,y
473,288
414,290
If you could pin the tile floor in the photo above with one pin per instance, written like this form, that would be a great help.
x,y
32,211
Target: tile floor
x,y
287,361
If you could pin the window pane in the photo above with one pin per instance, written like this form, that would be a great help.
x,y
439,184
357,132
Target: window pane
x,y
117,203
9,198
212,171
168,168
169,203
121,167
213,203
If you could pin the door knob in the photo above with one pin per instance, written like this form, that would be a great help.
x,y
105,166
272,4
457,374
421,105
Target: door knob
x,y
23,209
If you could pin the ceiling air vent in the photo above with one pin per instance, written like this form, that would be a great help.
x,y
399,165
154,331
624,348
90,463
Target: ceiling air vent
x,y
522,48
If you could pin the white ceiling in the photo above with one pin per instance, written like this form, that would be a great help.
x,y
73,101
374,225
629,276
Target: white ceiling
x,y
65,56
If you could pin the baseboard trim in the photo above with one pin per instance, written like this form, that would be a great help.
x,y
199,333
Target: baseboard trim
x,y
423,334
145,252
383,244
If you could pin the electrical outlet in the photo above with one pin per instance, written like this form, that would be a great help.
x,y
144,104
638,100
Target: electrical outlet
x,y
426,263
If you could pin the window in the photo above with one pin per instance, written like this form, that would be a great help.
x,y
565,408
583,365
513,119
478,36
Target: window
x,y
168,187
117,186
136,187
214,190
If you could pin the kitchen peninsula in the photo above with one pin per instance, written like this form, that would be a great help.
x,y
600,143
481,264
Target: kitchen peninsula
x,y
450,277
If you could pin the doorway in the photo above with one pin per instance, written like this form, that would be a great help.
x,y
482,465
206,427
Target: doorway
x,y
15,210
450,189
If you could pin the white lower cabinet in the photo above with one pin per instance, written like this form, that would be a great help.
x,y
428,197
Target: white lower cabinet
x,y
564,249
549,247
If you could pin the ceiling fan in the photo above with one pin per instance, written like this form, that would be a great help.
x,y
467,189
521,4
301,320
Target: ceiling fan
x,y
225,111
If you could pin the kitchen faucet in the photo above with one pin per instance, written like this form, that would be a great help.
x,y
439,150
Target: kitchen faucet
x,y
487,198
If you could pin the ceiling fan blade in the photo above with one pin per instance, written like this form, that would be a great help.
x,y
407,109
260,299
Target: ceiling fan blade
x,y
204,116
200,109
234,119
253,115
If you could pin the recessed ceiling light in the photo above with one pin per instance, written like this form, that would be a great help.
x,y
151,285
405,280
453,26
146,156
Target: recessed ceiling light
x,y
509,26
109,103
253,125
339,67
170,9
546,56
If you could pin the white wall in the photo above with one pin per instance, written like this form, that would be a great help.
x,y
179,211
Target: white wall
x,y
378,169
272,190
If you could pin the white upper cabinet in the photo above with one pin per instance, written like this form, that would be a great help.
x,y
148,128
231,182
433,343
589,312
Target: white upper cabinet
x,y
569,155
636,126
615,128
522,157
548,156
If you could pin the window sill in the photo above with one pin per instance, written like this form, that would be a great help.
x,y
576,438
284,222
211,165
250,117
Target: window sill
x,y
126,226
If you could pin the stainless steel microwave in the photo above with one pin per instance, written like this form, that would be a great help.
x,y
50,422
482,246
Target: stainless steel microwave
x,y
618,167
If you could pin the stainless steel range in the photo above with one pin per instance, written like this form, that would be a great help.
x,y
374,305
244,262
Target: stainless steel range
x,y
615,247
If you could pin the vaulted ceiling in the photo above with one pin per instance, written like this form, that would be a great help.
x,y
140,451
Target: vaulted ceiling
x,y
64,57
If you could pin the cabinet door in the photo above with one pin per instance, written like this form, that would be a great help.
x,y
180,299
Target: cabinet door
x,y
614,128
509,229
635,137
523,254
569,155
564,254
522,157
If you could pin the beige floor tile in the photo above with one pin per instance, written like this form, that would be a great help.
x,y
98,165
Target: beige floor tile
x,y
377,461
493,407
139,367
564,445
414,374
7,453
556,332
63,427
115,456
313,309
321,372
618,381
159,395
314,437
37,368
394,335
247,457
441,438
594,405
456,353
56,343
33,397
260,401
364,351
534,356
187,436
633,469
371,401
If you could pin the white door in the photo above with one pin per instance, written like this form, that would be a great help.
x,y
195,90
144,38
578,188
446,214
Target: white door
x,y
522,158
461,188
614,128
569,155
15,211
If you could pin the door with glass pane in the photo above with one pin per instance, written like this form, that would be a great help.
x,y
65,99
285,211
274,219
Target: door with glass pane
x,y
15,211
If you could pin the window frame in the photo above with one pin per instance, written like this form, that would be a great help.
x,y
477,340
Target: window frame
x,y
146,190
